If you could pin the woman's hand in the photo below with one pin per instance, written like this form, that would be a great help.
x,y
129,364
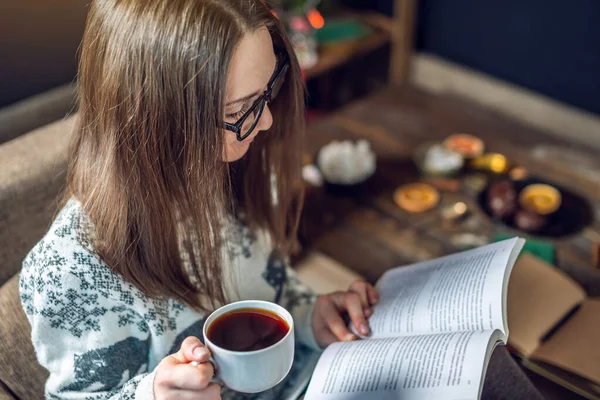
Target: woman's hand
x,y
331,309
176,378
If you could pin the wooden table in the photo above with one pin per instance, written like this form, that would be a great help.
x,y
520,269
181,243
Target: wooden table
x,y
368,233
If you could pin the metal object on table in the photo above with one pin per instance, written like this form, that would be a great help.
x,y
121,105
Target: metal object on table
x,y
491,162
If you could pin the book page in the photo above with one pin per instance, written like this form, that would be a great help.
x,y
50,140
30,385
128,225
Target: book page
x,y
447,365
460,292
539,296
574,346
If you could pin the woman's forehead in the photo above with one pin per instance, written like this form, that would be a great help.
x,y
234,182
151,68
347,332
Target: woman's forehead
x,y
252,65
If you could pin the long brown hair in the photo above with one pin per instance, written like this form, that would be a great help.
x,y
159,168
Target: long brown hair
x,y
147,153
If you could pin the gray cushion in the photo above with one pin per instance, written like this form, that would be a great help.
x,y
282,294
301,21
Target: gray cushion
x,y
32,175
36,111
19,369
38,52
5,393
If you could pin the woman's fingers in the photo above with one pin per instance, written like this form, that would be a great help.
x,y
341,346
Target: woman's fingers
x,y
330,313
360,288
189,368
373,294
190,377
351,303
332,309
192,349
212,392
186,374
368,295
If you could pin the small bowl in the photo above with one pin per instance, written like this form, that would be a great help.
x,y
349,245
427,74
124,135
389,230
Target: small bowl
x,y
343,189
416,197
419,157
346,190
468,146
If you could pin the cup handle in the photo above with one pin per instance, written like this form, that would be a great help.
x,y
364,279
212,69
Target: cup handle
x,y
215,378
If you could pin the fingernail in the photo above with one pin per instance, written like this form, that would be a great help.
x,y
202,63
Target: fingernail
x,y
350,337
364,329
368,312
199,352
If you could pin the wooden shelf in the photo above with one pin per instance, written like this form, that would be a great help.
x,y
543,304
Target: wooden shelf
x,y
330,58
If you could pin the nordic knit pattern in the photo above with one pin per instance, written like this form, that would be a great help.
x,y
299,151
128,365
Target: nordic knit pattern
x,y
101,338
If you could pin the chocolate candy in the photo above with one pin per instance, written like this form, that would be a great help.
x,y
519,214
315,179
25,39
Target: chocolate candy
x,y
502,199
529,221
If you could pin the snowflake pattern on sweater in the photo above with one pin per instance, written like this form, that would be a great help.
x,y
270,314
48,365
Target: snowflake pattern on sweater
x,y
101,338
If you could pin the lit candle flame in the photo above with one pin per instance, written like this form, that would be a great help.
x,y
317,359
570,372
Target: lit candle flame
x,y
316,19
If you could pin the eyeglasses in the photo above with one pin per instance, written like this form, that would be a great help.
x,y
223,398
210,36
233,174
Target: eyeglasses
x,y
248,122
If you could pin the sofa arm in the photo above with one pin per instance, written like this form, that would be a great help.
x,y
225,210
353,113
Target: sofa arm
x,y
20,371
32,177
6,393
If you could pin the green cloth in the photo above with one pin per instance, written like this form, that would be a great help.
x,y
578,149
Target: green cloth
x,y
539,248
341,30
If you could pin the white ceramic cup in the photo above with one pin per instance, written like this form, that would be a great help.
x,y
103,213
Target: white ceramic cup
x,y
252,371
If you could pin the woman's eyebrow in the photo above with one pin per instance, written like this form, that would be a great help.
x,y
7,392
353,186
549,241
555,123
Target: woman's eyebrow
x,y
246,98
242,100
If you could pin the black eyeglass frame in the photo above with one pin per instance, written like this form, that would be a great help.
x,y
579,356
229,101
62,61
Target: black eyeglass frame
x,y
264,99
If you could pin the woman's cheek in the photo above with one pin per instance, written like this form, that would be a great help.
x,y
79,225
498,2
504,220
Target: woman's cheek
x,y
234,151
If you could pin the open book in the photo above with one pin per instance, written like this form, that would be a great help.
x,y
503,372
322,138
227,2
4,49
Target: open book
x,y
554,326
433,331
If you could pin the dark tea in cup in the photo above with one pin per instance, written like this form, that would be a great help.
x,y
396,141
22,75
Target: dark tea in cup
x,y
252,344
247,329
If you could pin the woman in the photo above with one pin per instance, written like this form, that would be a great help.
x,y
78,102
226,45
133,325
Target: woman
x,y
180,198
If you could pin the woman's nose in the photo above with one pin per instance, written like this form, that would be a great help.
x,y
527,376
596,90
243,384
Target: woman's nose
x,y
266,119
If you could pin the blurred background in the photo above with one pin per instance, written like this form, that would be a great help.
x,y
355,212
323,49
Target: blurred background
x,y
475,121
546,47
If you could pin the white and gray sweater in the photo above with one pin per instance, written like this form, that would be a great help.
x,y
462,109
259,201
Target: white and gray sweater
x,y
101,338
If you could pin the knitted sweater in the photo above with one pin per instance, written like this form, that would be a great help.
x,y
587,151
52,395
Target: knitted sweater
x,y
101,338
